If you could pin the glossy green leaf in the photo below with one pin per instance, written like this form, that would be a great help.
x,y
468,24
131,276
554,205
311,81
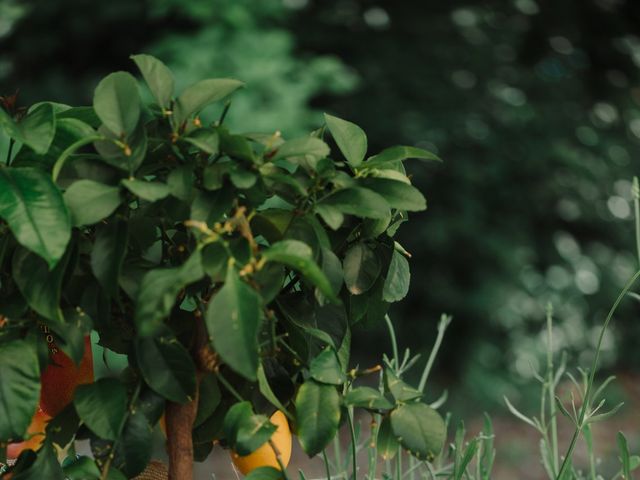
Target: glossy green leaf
x,y
89,201
19,388
206,139
201,94
102,406
325,368
367,397
299,256
117,103
361,268
35,211
400,390
301,147
357,201
392,155
267,392
386,441
158,292
108,254
150,191
233,321
399,195
134,449
39,286
209,397
350,138
246,431
83,468
36,129
419,429
158,77
167,367
317,415
45,466
396,285
264,473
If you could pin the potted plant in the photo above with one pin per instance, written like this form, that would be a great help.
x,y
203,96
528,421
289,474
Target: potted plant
x,y
228,269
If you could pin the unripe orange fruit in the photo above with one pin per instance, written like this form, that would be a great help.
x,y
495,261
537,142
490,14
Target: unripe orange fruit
x,y
264,456
35,436
61,377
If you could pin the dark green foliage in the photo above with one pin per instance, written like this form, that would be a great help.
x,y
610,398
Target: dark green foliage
x,y
203,256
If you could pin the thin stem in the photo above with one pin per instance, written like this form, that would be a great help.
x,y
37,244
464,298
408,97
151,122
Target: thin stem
x,y
354,451
9,152
283,468
399,463
635,191
326,464
592,374
445,320
394,343
229,387
551,391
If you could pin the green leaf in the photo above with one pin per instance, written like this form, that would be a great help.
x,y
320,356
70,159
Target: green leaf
x,y
361,268
201,94
267,392
357,201
367,397
206,139
45,466
89,201
180,182
299,256
396,285
325,368
393,155
317,415
301,147
158,77
264,473
36,130
68,131
39,285
159,290
419,429
233,320
400,390
331,215
83,468
19,388
102,406
150,191
108,254
117,103
167,367
624,454
349,137
399,195
209,397
35,211
386,440
246,431
136,443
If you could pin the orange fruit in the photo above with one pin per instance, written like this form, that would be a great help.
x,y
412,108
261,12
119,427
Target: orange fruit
x,y
35,436
61,377
264,456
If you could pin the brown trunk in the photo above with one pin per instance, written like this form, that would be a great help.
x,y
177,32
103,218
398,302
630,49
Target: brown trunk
x,y
180,420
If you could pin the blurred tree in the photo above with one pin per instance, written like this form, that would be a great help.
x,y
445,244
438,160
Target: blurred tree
x,y
533,107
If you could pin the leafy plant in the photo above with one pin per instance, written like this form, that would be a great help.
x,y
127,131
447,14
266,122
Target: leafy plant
x,y
228,269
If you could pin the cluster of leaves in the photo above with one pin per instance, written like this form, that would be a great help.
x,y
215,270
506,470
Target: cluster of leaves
x,y
230,264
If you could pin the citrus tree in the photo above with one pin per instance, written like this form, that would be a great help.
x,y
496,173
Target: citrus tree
x,y
227,269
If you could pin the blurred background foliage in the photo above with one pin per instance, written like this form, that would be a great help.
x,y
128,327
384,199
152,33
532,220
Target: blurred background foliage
x,y
534,105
